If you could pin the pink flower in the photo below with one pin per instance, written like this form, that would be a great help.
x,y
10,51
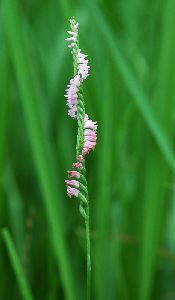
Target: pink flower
x,y
83,68
73,34
82,71
74,174
77,165
74,183
72,192
72,95
80,158
90,135
89,124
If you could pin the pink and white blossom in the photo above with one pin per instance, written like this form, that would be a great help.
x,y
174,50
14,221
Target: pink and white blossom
x,y
73,34
83,68
72,95
73,174
82,71
90,135
72,192
73,183
77,165
80,158
89,128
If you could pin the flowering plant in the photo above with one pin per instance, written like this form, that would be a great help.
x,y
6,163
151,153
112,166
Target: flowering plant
x,y
86,137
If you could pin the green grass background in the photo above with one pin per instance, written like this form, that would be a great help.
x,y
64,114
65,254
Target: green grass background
x,y
131,94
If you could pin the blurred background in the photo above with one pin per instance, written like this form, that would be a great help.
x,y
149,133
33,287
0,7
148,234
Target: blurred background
x,y
130,93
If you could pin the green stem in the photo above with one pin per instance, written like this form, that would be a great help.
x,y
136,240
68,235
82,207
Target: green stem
x,y
88,256
80,143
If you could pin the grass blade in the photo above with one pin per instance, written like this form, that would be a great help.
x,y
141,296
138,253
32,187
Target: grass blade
x,y
15,262
156,193
139,97
4,103
15,209
103,206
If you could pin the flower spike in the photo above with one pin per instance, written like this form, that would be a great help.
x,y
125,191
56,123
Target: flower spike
x,y
73,33
86,137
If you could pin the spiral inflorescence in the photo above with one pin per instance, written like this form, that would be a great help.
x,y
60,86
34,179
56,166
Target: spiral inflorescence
x,y
86,136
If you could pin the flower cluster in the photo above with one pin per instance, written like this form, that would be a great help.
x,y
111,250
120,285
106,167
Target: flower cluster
x,y
72,96
73,34
90,135
83,68
73,184
82,72
89,127
90,138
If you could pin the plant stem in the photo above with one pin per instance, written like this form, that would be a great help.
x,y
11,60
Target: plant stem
x,y
88,255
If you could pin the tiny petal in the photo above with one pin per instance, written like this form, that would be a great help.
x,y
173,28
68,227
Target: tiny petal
x,y
71,32
80,158
74,174
77,165
71,45
74,183
72,192
72,38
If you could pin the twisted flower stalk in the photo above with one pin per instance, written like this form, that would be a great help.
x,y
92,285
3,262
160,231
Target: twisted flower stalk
x,y
86,137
